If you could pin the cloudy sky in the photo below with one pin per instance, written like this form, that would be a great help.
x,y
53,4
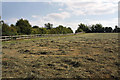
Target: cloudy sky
x,y
59,12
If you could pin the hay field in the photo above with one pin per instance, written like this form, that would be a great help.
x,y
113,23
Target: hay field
x,y
88,55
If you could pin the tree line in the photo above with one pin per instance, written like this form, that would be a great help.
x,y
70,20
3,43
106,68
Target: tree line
x,y
22,27
97,28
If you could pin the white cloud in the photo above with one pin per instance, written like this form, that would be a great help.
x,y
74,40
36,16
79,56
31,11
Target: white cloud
x,y
116,1
74,25
11,21
83,7
57,16
60,9
34,16
105,23
84,0
55,23
91,8
52,17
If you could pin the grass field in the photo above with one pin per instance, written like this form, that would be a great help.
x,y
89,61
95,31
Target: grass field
x,y
92,55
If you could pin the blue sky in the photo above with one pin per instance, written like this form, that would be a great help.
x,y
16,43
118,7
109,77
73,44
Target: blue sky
x,y
69,14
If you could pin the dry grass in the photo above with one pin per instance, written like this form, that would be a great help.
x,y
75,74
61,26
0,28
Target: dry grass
x,y
77,56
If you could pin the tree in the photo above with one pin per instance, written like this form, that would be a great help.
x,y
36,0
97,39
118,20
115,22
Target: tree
x,y
1,23
52,31
13,31
82,27
8,30
49,26
12,25
5,29
17,28
108,29
35,26
79,30
62,30
42,31
35,31
117,29
92,28
23,26
98,28
69,30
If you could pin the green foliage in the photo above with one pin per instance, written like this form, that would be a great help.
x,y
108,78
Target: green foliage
x,y
60,30
24,26
39,30
34,31
48,26
108,29
82,27
52,31
63,30
0,28
13,31
97,28
117,29
69,30
6,30
35,26
79,30
42,31
92,28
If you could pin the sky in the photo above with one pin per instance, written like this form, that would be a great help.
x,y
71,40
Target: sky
x,y
58,12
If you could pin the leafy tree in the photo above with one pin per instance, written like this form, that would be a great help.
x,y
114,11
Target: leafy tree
x,y
60,30
17,28
5,29
63,30
93,29
13,31
12,25
42,31
34,31
99,28
53,31
8,30
108,29
49,26
69,30
35,26
79,30
23,26
1,23
82,27
117,29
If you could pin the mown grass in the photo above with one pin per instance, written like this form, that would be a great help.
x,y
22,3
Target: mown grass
x,y
92,55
